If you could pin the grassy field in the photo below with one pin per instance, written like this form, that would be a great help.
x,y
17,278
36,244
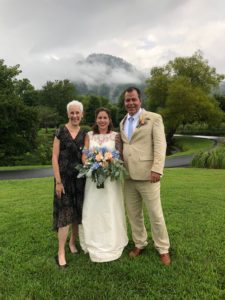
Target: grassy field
x,y
187,146
190,145
12,168
194,206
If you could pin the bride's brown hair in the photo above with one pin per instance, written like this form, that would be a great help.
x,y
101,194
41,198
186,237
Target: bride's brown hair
x,y
95,126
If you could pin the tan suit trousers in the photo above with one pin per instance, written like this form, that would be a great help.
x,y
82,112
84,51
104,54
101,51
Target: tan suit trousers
x,y
139,192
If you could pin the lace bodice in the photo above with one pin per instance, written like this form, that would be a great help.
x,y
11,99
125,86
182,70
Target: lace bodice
x,y
102,140
103,221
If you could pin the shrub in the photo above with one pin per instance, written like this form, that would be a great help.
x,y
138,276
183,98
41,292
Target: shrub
x,y
214,159
201,129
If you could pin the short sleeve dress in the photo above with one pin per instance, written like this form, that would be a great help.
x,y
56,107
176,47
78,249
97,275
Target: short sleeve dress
x,y
68,209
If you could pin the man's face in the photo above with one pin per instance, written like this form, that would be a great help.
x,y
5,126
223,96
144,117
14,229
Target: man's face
x,y
132,102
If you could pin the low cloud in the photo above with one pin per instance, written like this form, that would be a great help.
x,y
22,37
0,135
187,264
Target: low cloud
x,y
76,70
48,37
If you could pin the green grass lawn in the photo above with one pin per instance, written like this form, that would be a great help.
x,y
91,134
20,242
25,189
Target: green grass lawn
x,y
187,145
194,208
13,168
190,145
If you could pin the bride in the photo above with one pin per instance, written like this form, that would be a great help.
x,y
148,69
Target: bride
x,y
103,217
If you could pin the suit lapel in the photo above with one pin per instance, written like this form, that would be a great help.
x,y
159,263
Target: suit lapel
x,y
143,116
122,123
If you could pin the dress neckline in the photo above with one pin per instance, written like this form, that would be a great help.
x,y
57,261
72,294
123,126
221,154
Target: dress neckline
x,y
73,138
96,134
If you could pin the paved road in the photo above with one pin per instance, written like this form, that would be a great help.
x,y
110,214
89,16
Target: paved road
x,y
25,174
177,162
171,162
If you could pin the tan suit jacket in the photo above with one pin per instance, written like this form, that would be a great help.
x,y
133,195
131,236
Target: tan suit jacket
x,y
146,150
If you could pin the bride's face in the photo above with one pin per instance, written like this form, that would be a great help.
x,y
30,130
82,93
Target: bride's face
x,y
102,121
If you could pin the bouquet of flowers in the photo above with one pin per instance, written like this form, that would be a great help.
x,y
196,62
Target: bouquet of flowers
x,y
101,164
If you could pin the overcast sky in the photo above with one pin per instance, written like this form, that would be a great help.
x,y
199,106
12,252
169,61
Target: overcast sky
x,y
47,37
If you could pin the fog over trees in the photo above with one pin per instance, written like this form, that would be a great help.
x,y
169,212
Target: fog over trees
x,y
184,91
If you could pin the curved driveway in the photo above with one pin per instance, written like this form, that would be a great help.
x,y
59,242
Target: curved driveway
x,y
171,162
25,174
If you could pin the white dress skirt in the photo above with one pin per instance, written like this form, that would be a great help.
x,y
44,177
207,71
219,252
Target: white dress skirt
x,y
103,233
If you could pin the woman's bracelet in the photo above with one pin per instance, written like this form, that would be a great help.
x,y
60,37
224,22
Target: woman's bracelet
x,y
58,182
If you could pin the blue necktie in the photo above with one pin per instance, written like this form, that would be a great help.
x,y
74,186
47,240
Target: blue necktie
x,y
130,127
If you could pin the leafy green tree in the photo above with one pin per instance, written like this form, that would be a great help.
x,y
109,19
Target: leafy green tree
x,y
92,103
104,101
181,92
7,80
121,109
26,92
57,94
221,100
114,114
18,128
18,122
48,117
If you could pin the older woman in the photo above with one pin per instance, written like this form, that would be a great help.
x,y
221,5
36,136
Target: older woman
x,y
68,189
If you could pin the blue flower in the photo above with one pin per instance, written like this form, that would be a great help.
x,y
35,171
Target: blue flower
x,y
90,154
95,166
116,154
103,150
100,169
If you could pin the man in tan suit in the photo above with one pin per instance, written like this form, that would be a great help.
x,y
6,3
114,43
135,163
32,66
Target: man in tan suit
x,y
144,150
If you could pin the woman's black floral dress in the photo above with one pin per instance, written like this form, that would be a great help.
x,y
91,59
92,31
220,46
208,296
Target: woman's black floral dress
x,y
68,209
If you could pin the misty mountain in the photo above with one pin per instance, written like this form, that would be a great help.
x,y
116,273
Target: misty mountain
x,y
222,87
107,75
111,61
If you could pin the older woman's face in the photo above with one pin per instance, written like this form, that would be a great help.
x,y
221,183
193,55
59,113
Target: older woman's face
x,y
74,115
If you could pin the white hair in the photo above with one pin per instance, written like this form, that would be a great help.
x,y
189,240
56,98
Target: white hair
x,y
75,102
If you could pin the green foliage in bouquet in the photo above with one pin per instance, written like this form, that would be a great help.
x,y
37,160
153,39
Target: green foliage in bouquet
x,y
102,164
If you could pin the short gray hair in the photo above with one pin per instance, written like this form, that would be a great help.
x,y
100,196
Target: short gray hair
x,y
75,102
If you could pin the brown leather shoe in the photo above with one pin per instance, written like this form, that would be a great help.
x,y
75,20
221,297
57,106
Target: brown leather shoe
x,y
135,252
165,259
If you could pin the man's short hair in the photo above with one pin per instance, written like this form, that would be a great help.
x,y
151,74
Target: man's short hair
x,y
131,89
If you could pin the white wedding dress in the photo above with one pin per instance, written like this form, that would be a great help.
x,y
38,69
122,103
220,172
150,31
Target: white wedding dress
x,y
103,221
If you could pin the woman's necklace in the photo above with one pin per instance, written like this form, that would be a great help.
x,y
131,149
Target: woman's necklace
x,y
73,130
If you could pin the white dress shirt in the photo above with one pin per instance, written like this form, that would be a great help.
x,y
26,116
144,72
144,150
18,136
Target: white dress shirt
x,y
135,121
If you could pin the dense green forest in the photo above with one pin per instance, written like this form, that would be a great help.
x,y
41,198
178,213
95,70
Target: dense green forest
x,y
185,92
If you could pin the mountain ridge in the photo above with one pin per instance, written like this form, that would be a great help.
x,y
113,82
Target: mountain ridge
x,y
107,75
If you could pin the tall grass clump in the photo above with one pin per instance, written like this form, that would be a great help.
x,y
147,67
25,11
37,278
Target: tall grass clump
x,y
214,159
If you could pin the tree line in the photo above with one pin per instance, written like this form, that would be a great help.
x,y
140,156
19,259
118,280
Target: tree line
x,y
184,91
